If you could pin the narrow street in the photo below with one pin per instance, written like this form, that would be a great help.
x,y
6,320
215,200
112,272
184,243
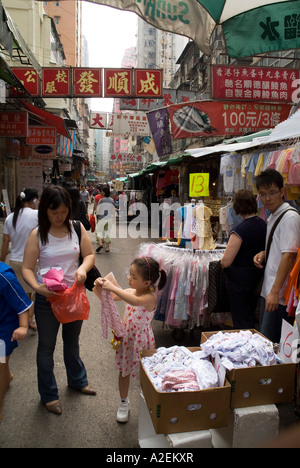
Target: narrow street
x,y
87,421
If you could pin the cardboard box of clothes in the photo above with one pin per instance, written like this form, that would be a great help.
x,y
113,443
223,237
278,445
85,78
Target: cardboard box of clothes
x,y
185,411
259,385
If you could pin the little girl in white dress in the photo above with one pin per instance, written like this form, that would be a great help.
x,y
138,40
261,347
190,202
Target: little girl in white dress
x,y
138,315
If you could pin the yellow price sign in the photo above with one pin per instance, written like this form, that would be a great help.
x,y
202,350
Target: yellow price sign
x,y
199,185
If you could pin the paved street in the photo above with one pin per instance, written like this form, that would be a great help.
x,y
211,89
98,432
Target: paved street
x,y
87,422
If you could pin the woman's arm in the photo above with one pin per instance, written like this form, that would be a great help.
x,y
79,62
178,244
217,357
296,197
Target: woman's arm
x,y
231,250
5,247
88,256
31,255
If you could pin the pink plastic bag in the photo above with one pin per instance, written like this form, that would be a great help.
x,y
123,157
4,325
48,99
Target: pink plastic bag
x,y
70,305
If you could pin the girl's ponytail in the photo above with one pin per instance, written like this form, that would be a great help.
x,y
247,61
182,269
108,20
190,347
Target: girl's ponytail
x,y
162,279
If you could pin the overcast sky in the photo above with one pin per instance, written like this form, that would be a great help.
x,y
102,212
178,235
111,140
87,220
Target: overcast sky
x,y
109,32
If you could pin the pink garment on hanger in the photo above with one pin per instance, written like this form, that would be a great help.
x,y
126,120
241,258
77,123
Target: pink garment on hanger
x,y
53,280
110,316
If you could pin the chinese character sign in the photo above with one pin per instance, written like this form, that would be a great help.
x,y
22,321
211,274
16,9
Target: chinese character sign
x,y
148,83
98,120
253,83
208,118
13,124
56,82
29,79
41,136
133,123
117,82
87,82
159,125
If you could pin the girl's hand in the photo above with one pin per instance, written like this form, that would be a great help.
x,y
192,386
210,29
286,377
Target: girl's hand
x,y
19,334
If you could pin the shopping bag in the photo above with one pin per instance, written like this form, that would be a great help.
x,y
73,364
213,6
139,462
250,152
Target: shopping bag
x,y
70,305
92,222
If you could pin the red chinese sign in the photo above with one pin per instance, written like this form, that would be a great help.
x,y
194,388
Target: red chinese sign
x,y
41,136
148,83
56,82
13,124
87,82
207,118
29,78
127,158
117,82
253,83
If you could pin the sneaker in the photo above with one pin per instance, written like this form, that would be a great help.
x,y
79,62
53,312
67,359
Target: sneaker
x,y
123,412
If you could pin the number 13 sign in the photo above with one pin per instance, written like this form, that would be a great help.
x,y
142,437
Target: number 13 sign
x,y
199,185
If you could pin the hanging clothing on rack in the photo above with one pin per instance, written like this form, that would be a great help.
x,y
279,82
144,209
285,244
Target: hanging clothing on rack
x,y
184,300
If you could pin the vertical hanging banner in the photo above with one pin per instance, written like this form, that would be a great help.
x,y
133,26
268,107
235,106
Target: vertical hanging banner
x,y
56,82
159,126
87,82
29,78
148,83
117,82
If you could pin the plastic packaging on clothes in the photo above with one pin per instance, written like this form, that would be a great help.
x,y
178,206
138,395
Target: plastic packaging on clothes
x,y
177,368
240,349
70,305
53,280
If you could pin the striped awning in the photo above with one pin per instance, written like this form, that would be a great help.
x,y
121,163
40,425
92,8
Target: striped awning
x,y
65,145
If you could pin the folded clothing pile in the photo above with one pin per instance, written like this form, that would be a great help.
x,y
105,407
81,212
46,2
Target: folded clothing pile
x,y
240,349
179,369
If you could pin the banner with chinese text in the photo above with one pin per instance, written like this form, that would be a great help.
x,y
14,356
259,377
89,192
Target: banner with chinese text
x,y
87,82
159,126
253,83
56,82
14,124
208,118
38,135
147,83
29,78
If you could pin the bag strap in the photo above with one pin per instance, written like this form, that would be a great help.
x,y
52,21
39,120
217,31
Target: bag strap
x,y
77,229
273,230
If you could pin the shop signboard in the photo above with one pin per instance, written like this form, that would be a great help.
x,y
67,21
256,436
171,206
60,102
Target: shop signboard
x,y
148,83
56,82
13,124
98,120
118,82
87,82
212,118
253,83
131,123
199,185
38,135
128,158
29,78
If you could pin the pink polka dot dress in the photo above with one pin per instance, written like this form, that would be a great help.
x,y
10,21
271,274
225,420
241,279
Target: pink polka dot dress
x,y
139,336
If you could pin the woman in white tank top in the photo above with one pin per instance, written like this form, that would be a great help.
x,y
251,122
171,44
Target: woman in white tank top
x,y
55,244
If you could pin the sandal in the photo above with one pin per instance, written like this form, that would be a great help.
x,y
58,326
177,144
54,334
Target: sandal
x,y
99,248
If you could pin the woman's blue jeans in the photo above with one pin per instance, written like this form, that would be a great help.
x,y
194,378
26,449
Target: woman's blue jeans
x,y
48,328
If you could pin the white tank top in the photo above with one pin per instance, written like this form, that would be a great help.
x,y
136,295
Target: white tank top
x,y
60,253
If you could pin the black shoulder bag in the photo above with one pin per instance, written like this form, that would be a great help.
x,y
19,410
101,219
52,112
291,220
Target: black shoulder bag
x,y
94,273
